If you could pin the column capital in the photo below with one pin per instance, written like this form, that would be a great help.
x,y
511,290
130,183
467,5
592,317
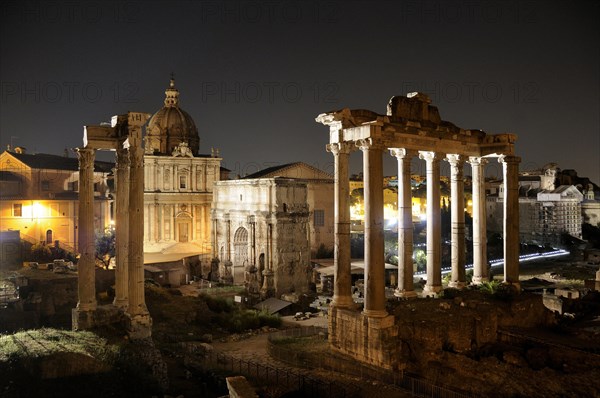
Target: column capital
x,y
85,155
369,143
510,159
429,156
455,159
340,147
402,153
456,165
477,160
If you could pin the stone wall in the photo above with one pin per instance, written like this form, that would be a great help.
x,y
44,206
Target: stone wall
x,y
370,340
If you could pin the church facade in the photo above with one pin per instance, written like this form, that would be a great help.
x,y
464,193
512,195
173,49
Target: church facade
x,y
178,182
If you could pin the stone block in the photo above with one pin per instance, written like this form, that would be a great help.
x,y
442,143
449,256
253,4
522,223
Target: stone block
x,y
239,387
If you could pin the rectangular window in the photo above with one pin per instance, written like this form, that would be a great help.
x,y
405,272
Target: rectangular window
x,y
319,218
45,185
73,186
182,182
17,210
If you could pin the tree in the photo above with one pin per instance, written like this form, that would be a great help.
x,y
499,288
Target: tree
x,y
105,246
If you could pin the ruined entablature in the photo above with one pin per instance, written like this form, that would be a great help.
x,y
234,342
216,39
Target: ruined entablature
x,y
412,123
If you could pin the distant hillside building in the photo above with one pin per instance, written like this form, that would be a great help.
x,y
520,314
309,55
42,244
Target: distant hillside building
x,y
590,207
546,211
39,197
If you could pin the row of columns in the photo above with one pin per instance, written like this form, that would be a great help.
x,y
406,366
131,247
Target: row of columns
x,y
162,222
374,241
129,214
196,177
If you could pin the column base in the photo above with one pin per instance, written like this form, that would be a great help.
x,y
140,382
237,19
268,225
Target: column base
x,y
121,303
267,290
82,320
478,280
343,302
430,290
407,294
457,285
515,285
375,313
138,326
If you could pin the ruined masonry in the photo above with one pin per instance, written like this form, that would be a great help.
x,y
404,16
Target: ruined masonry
x,y
124,136
412,127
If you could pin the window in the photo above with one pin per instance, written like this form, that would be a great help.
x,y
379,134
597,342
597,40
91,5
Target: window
x,y
17,210
73,186
319,218
182,182
45,185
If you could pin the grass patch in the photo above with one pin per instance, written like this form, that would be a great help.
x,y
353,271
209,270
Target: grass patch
x,y
44,342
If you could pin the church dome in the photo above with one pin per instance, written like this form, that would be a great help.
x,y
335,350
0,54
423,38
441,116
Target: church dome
x,y
171,126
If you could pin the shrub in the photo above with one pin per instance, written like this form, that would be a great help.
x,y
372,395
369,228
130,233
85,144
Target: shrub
x,y
489,287
270,320
217,304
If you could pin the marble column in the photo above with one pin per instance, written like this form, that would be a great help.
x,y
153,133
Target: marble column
x,y
140,321
480,265
510,168
268,288
86,286
342,279
374,245
122,229
405,225
457,203
434,230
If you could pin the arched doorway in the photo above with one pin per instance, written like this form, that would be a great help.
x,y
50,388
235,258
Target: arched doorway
x,y
240,246
240,254
183,225
49,237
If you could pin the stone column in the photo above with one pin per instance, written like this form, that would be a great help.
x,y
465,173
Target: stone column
x,y
480,266
122,229
268,288
374,246
140,322
405,225
510,168
342,279
457,203
86,282
434,230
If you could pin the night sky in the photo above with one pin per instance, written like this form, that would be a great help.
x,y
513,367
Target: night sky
x,y
254,75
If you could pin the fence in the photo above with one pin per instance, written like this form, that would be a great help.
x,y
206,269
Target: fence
x,y
286,378
417,386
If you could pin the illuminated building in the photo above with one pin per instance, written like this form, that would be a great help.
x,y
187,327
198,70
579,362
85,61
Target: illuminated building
x,y
39,197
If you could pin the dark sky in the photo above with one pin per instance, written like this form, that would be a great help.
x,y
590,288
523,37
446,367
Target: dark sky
x,y
255,74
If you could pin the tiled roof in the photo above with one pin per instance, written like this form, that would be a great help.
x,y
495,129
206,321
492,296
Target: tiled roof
x,y
270,170
55,162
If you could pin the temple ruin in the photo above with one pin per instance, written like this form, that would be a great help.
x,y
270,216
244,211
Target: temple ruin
x,y
124,135
411,127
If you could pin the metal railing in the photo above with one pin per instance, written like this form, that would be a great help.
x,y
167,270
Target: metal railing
x,y
414,384
281,377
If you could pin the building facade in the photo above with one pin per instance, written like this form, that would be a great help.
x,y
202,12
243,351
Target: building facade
x,y
178,181
39,196
263,225
546,211
319,198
